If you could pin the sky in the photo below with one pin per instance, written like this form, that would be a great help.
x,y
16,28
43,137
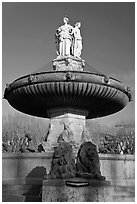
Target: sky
x,y
107,29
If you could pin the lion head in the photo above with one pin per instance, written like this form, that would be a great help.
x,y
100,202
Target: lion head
x,y
63,152
88,160
88,154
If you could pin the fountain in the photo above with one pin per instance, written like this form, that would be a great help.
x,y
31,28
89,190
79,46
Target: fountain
x,y
67,94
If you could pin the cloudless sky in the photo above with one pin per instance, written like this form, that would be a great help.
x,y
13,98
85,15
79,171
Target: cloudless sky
x,y
108,31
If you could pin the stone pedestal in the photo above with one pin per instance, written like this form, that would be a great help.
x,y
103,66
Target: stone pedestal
x,y
56,190
66,124
68,63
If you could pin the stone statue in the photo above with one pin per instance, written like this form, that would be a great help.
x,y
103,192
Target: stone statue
x,y
63,38
63,163
77,41
87,163
69,45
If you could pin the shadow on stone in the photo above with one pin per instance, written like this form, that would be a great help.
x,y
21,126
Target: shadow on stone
x,y
34,181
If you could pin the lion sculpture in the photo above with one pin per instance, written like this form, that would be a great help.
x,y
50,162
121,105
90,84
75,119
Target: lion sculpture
x,y
87,163
63,163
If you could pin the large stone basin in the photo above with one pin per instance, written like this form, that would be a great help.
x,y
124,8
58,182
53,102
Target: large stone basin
x,y
37,93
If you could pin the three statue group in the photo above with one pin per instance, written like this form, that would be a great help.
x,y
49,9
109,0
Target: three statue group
x,y
68,39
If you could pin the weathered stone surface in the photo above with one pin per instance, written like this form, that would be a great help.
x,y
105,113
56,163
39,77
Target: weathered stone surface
x,y
66,124
97,191
63,162
68,64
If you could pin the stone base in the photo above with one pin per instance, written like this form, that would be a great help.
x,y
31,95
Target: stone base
x,y
68,63
97,191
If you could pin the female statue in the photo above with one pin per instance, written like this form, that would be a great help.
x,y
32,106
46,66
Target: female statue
x,y
77,47
64,38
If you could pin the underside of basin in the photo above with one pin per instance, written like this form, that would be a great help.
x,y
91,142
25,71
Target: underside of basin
x,y
37,93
